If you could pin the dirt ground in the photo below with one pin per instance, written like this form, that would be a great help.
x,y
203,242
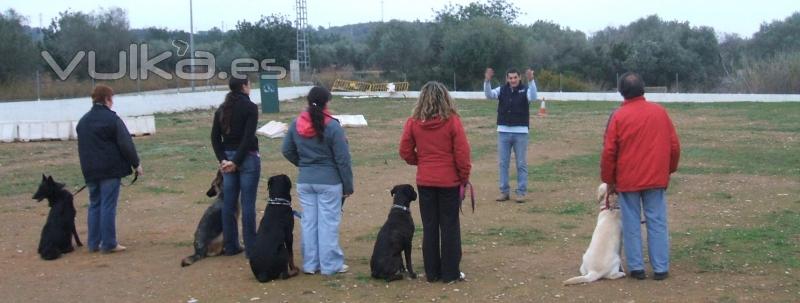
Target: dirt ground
x,y
511,253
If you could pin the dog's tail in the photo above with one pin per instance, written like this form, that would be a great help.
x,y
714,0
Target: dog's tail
x,y
190,260
589,277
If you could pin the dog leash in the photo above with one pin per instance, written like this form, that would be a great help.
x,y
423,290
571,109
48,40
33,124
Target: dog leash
x,y
462,195
608,206
135,177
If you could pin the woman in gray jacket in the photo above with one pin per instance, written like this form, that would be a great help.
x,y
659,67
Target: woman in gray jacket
x,y
317,145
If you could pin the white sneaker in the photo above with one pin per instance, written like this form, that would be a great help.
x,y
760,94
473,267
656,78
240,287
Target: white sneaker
x,y
344,269
461,278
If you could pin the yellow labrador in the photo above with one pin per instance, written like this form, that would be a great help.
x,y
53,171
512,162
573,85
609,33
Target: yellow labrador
x,y
602,258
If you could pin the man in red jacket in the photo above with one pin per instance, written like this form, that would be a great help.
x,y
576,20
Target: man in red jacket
x,y
640,151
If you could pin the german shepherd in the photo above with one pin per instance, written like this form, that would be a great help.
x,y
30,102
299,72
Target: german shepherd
x,y
60,227
208,236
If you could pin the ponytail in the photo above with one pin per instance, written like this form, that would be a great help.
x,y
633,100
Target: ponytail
x,y
318,99
236,85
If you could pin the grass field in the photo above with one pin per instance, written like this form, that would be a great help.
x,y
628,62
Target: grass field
x,y
734,210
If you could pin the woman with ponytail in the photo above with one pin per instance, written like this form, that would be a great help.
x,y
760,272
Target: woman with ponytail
x,y
434,140
317,145
233,136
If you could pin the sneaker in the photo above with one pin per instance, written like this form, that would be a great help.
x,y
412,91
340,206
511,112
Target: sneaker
x,y
310,273
503,197
638,274
118,248
461,278
520,199
344,269
660,275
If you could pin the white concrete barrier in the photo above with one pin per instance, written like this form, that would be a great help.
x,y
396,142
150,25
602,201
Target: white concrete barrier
x,y
26,131
8,132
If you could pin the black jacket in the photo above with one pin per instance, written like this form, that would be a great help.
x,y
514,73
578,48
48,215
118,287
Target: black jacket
x,y
242,135
513,107
105,147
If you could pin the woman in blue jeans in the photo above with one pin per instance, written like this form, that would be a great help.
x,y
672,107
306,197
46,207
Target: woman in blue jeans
x,y
317,145
106,153
233,136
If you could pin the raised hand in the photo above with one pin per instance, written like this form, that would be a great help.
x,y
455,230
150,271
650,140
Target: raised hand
x,y
488,74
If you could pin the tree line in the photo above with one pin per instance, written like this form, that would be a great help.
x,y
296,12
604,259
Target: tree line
x,y
454,48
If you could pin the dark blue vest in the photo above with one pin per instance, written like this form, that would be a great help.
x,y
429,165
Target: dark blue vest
x,y
512,106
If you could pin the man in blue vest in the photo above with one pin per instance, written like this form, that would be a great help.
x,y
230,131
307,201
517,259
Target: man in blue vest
x,y
513,117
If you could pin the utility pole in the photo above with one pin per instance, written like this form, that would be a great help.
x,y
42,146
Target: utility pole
x,y
381,11
301,22
191,41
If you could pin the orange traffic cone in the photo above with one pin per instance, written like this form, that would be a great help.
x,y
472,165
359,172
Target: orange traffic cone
x,y
542,109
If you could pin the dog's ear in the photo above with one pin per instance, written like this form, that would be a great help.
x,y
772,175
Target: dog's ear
x,y
288,181
50,180
212,191
44,178
602,191
394,190
412,194
269,183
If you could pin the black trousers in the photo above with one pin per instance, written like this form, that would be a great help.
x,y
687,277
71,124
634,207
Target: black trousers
x,y
441,232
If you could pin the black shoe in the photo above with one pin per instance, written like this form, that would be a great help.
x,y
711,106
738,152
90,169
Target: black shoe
x,y
233,253
660,275
638,274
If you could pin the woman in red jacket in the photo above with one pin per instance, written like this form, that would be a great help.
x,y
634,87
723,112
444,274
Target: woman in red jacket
x,y
434,140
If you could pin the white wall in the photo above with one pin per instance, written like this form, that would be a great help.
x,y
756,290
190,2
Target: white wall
x,y
148,104
127,105
658,97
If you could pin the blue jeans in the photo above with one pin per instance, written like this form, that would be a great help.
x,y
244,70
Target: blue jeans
x,y
655,212
322,213
506,142
241,183
102,215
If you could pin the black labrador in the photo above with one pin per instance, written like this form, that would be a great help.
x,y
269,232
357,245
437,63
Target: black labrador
x,y
273,257
60,227
208,236
395,238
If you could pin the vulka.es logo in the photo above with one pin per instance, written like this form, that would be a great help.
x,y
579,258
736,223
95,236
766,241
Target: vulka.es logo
x,y
204,67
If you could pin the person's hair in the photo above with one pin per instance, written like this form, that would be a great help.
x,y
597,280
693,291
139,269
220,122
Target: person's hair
x,y
318,98
236,85
631,85
512,71
101,92
434,100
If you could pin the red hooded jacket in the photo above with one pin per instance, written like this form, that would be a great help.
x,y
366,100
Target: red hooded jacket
x,y
305,127
641,148
440,150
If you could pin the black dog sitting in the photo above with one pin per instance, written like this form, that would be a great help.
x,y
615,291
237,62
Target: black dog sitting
x,y
60,227
273,257
395,237
208,236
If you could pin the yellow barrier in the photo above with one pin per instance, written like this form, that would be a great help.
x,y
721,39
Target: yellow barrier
x,y
359,86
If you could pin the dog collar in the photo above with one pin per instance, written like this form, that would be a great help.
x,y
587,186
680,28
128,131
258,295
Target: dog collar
x,y
400,207
279,201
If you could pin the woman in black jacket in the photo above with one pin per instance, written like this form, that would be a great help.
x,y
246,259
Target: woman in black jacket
x,y
106,153
233,136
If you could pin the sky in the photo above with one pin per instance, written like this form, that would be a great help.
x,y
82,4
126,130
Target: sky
x,y
725,16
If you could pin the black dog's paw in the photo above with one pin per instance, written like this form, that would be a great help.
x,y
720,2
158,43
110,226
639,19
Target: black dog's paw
x,y
412,275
